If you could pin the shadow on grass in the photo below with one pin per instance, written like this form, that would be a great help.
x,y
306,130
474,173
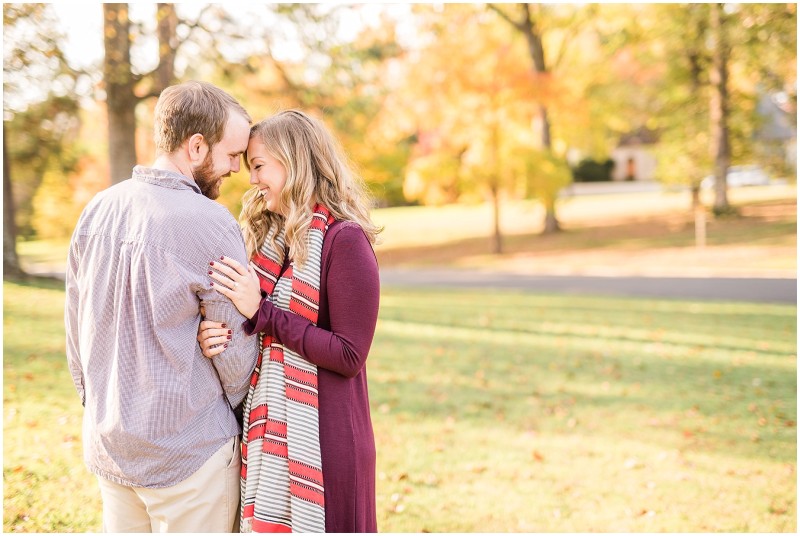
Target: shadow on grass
x,y
36,282
643,338
695,400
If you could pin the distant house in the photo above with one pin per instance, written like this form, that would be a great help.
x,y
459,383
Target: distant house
x,y
775,139
633,158
776,136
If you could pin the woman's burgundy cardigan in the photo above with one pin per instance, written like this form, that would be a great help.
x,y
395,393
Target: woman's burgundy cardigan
x,y
338,345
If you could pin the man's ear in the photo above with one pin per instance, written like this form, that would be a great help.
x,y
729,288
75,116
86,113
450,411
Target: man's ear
x,y
197,149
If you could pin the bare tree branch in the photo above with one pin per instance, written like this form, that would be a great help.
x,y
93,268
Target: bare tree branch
x,y
518,25
570,32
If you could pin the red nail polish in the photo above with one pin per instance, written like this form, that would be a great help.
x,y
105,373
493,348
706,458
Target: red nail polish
x,y
225,346
222,258
212,283
229,331
210,272
229,337
211,263
224,325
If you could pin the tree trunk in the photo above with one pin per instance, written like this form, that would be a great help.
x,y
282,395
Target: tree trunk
x,y
695,191
695,43
497,236
11,267
551,224
167,21
494,187
720,144
536,52
119,85
545,133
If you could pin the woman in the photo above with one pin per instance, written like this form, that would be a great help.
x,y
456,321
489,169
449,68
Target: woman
x,y
311,293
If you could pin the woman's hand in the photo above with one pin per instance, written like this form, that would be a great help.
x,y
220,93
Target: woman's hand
x,y
213,337
238,283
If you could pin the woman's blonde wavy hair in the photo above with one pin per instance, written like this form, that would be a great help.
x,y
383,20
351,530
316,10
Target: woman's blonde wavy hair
x,y
317,172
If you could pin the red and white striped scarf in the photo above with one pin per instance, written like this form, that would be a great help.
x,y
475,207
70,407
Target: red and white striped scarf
x,y
282,486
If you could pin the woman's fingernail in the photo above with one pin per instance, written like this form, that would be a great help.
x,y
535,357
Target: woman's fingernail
x,y
212,283
210,272
229,337
211,263
229,331
225,346
224,325
222,258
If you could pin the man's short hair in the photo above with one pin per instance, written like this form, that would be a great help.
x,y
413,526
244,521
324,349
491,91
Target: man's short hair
x,y
192,108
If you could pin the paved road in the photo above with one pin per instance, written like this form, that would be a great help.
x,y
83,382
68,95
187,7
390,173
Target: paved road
x,y
737,289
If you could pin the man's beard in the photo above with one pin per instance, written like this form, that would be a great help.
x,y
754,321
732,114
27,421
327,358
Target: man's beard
x,y
205,179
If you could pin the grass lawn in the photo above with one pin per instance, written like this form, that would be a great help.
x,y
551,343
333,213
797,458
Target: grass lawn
x,y
637,234
498,412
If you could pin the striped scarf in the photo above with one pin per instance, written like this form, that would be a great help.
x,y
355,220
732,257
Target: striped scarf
x,y
282,487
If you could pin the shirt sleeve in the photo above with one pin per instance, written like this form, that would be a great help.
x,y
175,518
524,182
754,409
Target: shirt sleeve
x,y
235,365
353,294
71,321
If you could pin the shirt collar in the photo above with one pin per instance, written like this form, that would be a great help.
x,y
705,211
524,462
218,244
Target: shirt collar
x,y
164,178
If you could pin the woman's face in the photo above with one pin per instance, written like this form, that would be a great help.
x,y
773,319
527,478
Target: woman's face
x,y
266,173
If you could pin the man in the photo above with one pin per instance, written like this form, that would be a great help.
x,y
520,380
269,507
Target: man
x,y
159,429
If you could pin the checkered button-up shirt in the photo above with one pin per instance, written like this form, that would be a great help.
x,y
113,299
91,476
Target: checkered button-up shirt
x,y
155,408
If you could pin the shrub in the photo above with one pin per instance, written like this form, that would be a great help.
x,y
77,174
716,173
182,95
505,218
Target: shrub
x,y
589,170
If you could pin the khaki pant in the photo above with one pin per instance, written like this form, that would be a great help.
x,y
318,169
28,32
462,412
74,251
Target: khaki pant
x,y
207,501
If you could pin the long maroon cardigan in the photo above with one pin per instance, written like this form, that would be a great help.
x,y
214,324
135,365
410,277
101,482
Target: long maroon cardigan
x,y
338,345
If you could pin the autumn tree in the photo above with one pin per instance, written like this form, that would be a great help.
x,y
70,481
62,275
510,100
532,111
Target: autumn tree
x,y
536,23
341,80
713,64
40,105
121,81
472,100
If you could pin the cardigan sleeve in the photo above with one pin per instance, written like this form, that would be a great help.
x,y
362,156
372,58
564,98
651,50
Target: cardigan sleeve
x,y
353,293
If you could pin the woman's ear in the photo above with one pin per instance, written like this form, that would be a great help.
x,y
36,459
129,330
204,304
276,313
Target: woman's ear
x,y
197,148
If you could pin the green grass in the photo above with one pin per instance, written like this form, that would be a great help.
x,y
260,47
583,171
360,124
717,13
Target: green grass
x,y
46,486
429,226
521,412
498,412
762,239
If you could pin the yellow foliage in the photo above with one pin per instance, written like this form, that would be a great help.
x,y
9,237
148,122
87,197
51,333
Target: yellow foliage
x,y
55,211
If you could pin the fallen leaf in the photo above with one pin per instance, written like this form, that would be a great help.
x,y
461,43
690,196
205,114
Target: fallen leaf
x,y
572,423
633,463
